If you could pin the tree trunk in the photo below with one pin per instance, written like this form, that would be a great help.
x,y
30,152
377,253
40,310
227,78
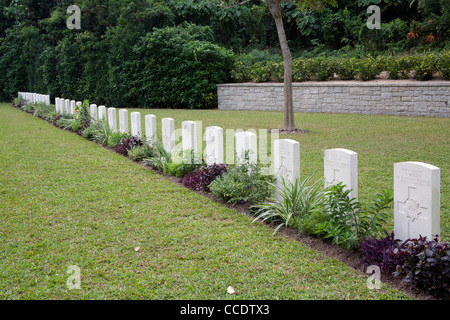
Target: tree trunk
x,y
288,105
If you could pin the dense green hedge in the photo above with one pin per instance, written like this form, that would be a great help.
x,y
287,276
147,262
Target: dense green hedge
x,y
420,67
180,67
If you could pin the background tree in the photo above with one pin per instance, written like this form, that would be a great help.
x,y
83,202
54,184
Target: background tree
x,y
274,7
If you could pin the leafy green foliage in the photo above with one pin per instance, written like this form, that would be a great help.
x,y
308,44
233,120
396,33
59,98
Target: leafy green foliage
x,y
425,68
138,153
180,67
160,159
242,184
349,223
188,162
116,137
443,65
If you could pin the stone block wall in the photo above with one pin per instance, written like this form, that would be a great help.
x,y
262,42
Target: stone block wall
x,y
405,98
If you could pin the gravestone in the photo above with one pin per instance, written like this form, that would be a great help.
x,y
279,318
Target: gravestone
x,y
136,124
214,145
72,107
246,141
189,135
168,133
150,128
123,120
341,165
57,103
112,119
66,106
93,112
416,200
286,162
101,113
77,106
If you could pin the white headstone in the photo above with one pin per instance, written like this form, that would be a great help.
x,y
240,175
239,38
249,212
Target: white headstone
x,y
286,161
246,141
168,133
214,145
416,200
123,120
101,113
57,103
150,128
136,124
72,107
341,165
189,135
77,106
112,119
66,106
93,112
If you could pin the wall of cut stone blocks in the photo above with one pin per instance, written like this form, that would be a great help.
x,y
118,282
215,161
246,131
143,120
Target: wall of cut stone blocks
x,y
402,98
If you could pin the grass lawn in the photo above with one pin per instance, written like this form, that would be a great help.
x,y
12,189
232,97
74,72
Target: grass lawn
x,y
67,201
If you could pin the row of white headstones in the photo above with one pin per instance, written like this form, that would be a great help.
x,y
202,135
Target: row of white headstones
x,y
33,97
416,184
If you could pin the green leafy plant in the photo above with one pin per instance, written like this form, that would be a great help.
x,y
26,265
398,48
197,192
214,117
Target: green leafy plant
x,y
83,112
425,68
102,132
160,159
242,184
443,65
367,68
296,201
138,153
345,68
302,69
68,122
348,222
115,138
188,162
324,68
42,110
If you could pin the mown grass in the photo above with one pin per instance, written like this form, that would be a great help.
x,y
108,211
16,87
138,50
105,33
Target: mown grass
x,y
380,141
67,201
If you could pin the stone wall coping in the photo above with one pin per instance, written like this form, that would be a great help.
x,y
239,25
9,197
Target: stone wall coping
x,y
373,83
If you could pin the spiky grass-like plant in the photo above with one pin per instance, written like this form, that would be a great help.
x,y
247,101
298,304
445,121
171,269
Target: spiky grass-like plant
x,y
294,202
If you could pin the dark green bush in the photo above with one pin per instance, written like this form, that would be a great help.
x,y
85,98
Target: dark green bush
x,y
367,68
302,69
443,65
180,67
425,67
